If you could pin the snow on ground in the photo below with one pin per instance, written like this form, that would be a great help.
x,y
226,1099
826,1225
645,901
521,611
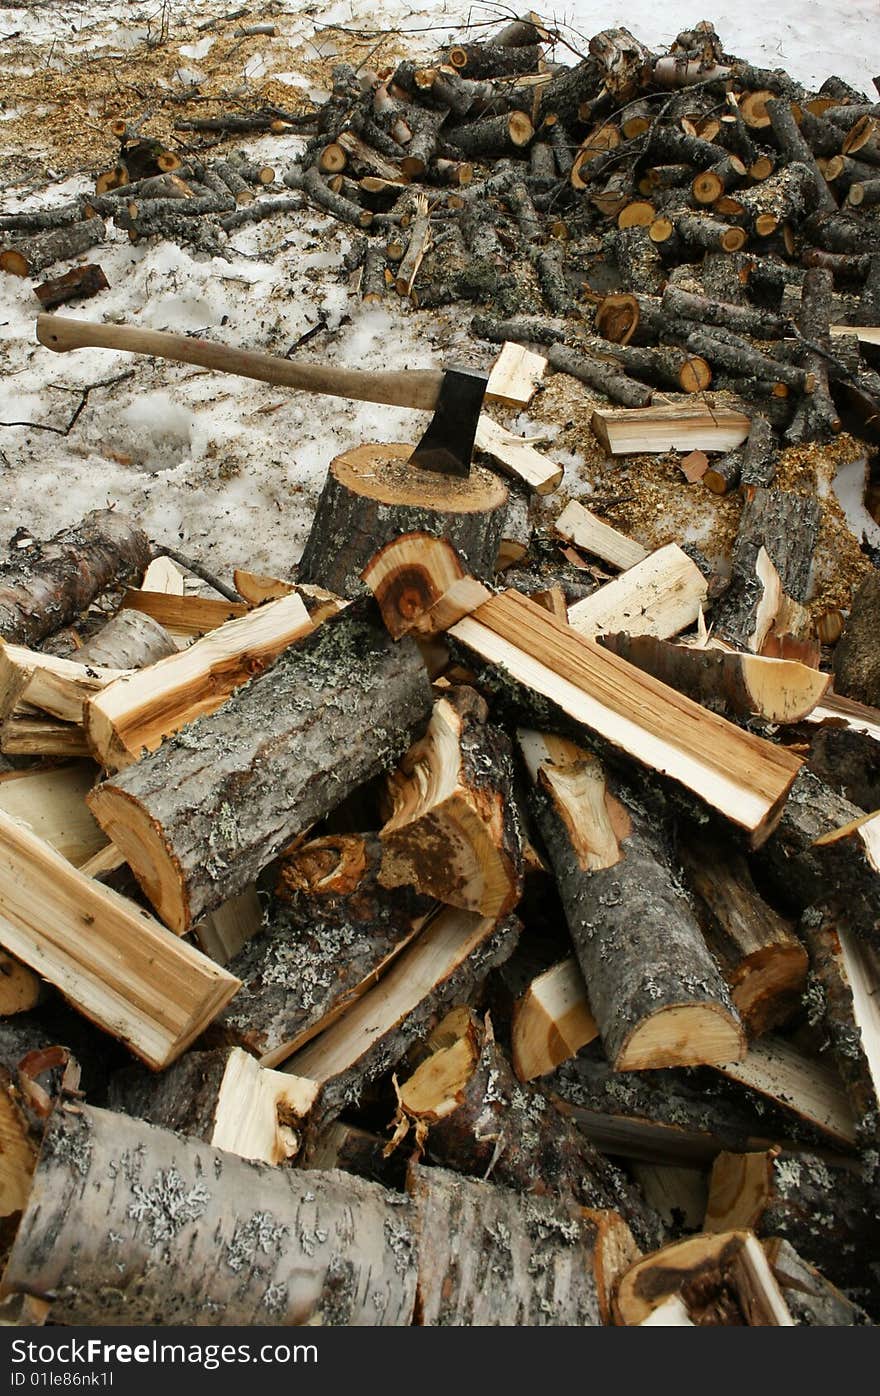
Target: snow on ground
x,y
226,469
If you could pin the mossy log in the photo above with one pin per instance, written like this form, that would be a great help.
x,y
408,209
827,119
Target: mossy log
x,y
469,1113
655,991
330,932
240,1242
201,816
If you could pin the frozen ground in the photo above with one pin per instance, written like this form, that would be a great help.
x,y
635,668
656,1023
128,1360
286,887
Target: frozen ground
x,y
227,469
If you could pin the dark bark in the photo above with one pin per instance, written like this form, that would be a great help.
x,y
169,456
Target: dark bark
x,y
47,585
316,953
796,149
786,525
836,1001
282,752
664,367
788,861
30,256
599,374
549,265
742,319
817,418
493,135
79,283
638,261
311,184
857,654
733,352
525,329
640,949
494,60
841,232
848,761
825,1209
812,1300
351,524
759,453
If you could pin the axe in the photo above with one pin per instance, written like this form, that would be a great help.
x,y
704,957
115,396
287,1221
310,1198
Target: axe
x,y
454,395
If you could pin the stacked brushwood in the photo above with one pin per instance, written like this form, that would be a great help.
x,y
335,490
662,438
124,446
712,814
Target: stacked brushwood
x,y
373,946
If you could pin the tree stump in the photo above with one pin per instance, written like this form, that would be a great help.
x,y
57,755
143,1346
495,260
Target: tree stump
x,y
372,494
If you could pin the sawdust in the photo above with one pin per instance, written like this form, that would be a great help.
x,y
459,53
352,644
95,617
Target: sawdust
x,y
65,106
648,498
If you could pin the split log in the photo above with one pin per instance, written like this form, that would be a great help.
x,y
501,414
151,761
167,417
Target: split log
x,y
843,993
661,429
812,1300
138,712
738,685
332,932
26,735
806,1088
559,1262
581,527
660,596
762,961
469,1113
616,706
773,552
551,1021
446,964
47,585
182,615
346,696
723,1280
93,1248
655,991
30,256
129,640
850,858
753,463
453,830
856,661
224,932
223,1098
672,1118
59,687
52,802
421,586
515,376
605,377
517,457
112,961
80,283
824,1208
372,494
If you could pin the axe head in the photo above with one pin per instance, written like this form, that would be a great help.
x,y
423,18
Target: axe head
x,y
448,443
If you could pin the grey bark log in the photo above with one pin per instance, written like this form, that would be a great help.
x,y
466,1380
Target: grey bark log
x,y
45,586
599,374
30,256
130,1224
233,788
635,936
784,524
130,640
857,655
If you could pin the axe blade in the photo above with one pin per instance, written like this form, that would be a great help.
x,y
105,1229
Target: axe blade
x,y
448,443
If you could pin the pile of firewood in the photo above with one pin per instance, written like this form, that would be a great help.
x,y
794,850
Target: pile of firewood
x,y
488,958
673,221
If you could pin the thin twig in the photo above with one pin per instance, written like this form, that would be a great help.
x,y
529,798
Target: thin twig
x,y
84,397
228,593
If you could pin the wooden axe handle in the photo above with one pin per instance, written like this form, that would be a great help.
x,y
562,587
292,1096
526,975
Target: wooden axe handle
x,y
410,388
